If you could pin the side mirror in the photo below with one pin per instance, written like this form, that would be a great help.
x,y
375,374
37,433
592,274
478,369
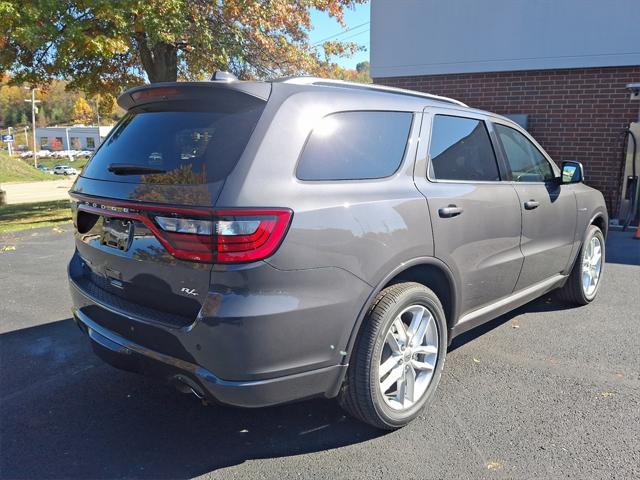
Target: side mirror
x,y
572,172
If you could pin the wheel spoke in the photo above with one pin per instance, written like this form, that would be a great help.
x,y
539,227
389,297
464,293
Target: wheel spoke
x,y
392,341
393,377
425,349
401,330
417,313
401,392
410,381
419,326
418,365
389,364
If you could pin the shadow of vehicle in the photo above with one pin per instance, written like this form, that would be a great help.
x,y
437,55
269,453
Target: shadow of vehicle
x,y
65,414
546,303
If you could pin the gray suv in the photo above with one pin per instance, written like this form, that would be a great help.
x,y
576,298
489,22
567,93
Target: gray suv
x,y
257,243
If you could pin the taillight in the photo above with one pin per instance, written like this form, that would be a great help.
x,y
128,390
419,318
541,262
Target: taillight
x,y
229,236
212,236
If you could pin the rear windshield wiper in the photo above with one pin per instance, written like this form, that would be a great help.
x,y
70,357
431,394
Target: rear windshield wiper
x,y
132,169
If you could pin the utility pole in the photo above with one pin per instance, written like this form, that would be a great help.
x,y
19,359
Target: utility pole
x,y
33,102
97,102
66,132
26,137
9,146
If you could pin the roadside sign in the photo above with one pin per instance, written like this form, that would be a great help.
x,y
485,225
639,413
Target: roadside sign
x,y
7,138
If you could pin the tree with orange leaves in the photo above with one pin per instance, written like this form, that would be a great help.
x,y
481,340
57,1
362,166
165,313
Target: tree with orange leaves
x,y
104,46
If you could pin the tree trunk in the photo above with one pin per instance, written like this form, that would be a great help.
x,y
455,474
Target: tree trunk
x,y
160,62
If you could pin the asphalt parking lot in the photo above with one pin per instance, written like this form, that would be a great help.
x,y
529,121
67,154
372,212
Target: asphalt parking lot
x,y
547,391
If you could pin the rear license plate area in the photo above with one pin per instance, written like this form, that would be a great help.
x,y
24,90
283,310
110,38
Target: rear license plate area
x,y
117,233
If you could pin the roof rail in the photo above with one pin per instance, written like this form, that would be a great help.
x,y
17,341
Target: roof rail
x,y
366,86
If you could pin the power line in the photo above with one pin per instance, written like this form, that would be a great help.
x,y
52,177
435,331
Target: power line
x,y
356,35
341,33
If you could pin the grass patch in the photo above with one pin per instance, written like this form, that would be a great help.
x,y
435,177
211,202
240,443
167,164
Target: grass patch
x,y
24,216
77,163
17,170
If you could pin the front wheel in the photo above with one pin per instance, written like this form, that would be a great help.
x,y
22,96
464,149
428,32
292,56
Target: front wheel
x,y
584,281
398,358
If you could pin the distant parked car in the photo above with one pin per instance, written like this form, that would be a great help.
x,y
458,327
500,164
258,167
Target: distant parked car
x,y
44,169
64,170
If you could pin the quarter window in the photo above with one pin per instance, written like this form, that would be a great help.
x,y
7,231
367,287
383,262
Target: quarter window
x,y
527,163
460,149
355,146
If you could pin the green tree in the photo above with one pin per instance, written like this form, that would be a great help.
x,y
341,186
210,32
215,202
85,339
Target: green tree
x,y
363,67
103,46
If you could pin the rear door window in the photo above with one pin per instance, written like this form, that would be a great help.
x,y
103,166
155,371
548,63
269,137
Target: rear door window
x,y
460,149
355,145
179,144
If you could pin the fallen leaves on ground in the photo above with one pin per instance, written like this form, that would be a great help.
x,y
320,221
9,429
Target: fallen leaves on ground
x,y
7,248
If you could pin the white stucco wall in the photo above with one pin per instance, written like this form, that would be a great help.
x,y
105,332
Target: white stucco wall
x,y
423,37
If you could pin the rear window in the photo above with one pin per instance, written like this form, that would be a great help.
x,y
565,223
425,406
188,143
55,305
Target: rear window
x,y
355,146
180,144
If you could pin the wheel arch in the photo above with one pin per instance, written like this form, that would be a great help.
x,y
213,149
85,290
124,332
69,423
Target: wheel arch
x,y
430,272
600,221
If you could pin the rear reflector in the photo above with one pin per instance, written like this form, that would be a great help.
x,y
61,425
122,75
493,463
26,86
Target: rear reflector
x,y
211,236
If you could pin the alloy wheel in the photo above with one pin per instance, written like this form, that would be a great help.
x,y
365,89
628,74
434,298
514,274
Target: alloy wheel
x,y
591,266
408,358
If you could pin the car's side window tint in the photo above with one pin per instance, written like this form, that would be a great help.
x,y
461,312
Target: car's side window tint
x,y
355,145
527,163
460,149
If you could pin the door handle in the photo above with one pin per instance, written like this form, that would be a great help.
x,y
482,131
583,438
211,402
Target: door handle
x,y
450,211
531,204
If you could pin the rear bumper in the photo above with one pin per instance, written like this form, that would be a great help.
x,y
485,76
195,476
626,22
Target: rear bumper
x,y
126,355
266,338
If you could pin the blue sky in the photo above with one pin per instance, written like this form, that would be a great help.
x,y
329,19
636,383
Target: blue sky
x,y
357,24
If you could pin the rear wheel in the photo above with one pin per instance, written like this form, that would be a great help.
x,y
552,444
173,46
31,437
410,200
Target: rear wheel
x,y
584,281
398,358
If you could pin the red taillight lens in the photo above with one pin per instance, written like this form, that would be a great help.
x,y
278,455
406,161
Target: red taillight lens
x,y
250,236
201,235
229,236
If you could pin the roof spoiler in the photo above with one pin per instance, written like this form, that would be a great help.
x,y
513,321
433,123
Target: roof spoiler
x,y
171,91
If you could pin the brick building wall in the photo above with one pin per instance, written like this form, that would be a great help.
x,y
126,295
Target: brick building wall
x,y
575,114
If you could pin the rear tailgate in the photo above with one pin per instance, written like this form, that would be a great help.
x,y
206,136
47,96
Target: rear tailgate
x,y
168,156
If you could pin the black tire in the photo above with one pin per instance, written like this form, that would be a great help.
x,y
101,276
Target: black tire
x,y
572,291
360,395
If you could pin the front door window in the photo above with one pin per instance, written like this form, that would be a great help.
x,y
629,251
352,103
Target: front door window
x,y
527,163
